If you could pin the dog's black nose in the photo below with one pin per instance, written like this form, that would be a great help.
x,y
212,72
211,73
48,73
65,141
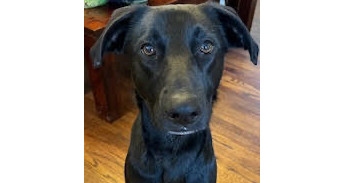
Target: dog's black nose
x,y
182,108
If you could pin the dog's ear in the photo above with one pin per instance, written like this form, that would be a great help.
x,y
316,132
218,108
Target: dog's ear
x,y
114,35
235,32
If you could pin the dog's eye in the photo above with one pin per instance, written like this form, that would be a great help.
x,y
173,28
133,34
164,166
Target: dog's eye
x,y
148,50
207,47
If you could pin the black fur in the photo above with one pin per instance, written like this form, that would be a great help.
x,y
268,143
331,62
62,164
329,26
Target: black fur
x,y
175,87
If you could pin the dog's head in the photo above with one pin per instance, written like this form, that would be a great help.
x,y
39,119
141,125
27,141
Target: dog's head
x,y
177,56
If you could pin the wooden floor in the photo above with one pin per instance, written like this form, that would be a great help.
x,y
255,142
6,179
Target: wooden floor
x,y
235,127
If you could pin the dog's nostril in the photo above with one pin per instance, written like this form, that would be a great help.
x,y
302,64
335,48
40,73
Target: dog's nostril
x,y
174,115
194,114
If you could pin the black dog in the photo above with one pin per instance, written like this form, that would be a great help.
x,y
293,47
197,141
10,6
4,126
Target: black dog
x,y
177,54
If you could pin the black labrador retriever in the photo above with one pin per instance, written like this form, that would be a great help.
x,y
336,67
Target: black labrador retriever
x,y
177,54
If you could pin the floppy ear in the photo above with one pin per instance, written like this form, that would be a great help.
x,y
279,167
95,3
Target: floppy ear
x,y
236,33
114,35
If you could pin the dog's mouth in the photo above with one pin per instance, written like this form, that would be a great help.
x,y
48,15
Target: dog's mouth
x,y
184,131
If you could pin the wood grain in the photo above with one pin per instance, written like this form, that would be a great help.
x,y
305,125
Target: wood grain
x,y
235,128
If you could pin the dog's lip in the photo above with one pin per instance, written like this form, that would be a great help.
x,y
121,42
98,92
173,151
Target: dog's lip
x,y
182,132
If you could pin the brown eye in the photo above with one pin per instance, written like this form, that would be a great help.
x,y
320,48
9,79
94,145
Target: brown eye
x,y
148,50
207,47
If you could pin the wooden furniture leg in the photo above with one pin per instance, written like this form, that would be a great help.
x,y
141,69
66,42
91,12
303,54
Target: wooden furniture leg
x,y
110,84
96,81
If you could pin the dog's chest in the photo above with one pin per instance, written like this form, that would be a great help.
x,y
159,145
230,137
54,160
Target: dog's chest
x,y
175,168
173,175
